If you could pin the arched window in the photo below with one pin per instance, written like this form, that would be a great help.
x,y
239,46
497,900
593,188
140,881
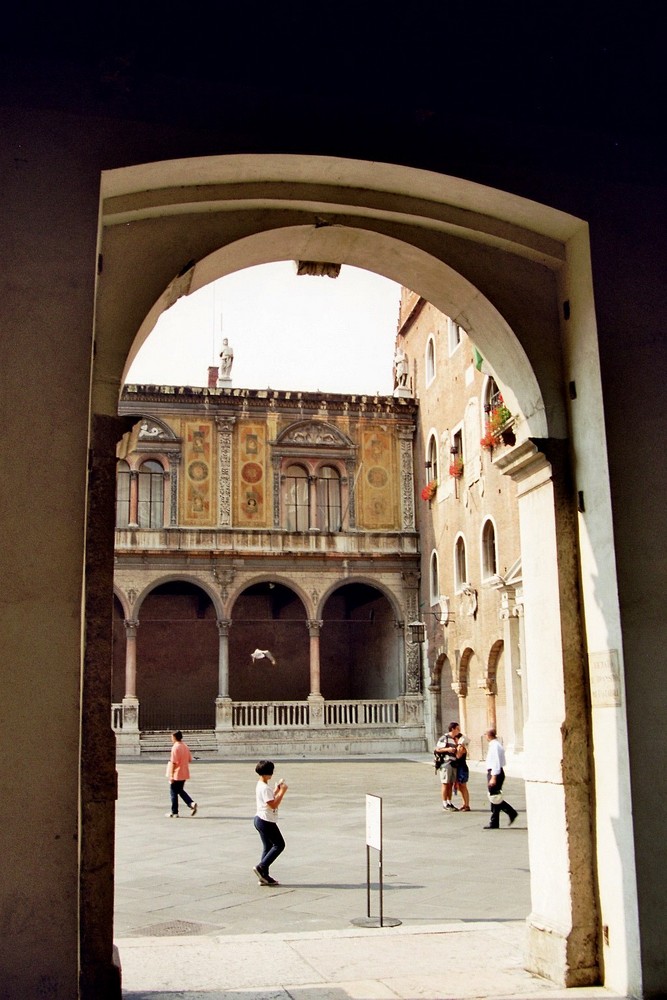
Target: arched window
x,y
296,499
460,563
122,494
329,511
454,332
150,495
432,459
492,397
430,361
489,555
435,578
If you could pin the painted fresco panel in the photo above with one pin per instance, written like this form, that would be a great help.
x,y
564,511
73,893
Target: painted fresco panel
x,y
250,500
377,485
198,475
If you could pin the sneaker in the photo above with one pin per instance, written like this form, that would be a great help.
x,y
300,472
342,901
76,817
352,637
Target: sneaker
x,y
263,879
272,881
193,808
489,827
172,815
450,805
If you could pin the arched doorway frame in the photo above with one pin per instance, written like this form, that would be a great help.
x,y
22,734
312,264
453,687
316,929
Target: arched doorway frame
x,y
406,224
398,610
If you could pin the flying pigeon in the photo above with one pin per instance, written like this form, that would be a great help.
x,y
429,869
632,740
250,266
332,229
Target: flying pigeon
x,y
263,654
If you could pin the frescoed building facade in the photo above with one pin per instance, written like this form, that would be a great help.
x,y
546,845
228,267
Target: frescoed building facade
x,y
267,563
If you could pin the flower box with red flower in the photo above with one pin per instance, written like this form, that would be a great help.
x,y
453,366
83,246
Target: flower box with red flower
x,y
490,440
456,467
430,490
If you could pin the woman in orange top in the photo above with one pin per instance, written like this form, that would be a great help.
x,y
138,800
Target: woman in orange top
x,y
178,772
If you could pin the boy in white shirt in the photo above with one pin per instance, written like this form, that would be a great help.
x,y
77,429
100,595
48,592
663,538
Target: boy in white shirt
x,y
266,820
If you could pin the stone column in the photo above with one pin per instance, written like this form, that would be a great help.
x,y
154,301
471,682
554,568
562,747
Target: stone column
x,y
312,502
314,627
563,927
131,626
512,663
223,703
461,691
133,521
490,690
127,740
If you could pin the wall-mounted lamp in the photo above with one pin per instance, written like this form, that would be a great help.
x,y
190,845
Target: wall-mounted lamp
x,y
417,632
443,616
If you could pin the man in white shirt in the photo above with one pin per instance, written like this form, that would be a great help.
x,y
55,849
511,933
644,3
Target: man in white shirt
x,y
495,778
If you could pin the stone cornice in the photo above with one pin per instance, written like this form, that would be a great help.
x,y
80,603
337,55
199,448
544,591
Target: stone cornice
x,y
219,402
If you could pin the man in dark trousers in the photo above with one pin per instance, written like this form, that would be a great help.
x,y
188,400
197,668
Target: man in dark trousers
x,y
495,778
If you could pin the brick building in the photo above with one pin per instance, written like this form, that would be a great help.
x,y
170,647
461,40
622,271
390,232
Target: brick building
x,y
472,597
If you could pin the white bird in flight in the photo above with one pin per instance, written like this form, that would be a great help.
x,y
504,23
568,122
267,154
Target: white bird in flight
x,y
263,654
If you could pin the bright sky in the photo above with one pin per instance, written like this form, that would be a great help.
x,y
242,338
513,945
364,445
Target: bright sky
x,y
287,332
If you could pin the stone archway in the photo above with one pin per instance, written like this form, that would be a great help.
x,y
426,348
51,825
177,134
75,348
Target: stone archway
x,y
503,268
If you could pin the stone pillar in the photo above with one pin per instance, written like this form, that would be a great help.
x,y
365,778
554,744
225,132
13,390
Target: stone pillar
x,y
509,617
407,480
461,692
131,626
277,485
223,703
99,975
351,502
130,700
133,521
314,626
563,927
172,479
312,502
225,426
490,690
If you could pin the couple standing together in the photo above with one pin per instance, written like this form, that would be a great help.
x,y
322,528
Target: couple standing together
x,y
450,760
450,754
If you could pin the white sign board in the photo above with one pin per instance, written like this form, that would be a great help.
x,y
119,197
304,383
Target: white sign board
x,y
605,674
374,822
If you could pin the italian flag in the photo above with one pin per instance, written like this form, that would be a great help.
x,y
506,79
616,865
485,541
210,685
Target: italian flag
x,y
480,363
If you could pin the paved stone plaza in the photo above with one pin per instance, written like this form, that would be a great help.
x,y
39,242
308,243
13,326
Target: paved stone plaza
x,y
192,921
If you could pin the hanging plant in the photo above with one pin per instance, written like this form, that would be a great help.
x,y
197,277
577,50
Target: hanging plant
x,y
490,440
456,467
498,417
429,490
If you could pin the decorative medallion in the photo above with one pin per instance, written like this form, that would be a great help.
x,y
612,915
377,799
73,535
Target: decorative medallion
x,y
251,472
198,471
377,477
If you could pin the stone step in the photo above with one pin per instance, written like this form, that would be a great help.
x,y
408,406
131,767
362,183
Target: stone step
x,y
158,742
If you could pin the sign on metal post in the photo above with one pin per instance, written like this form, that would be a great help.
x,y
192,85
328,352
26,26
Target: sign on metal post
x,y
374,841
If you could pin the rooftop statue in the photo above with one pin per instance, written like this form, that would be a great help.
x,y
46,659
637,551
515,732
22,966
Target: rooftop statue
x,y
226,359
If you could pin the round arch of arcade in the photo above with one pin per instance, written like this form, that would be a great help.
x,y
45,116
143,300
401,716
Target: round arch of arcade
x,y
517,276
173,671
